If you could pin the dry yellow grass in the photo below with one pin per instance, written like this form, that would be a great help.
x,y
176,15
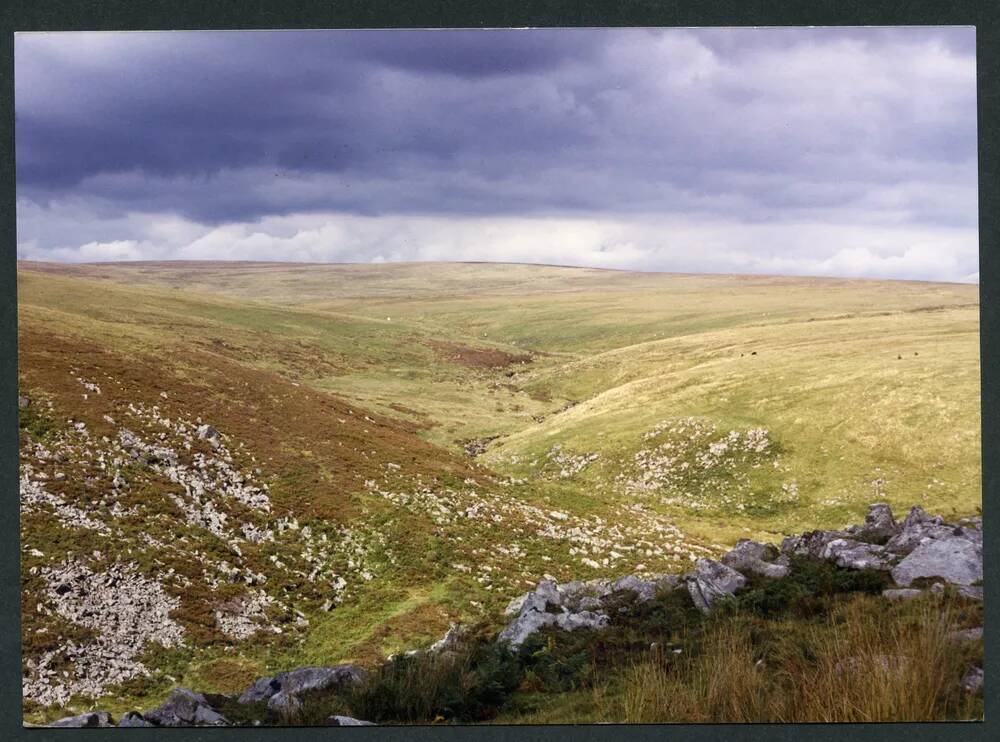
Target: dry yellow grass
x,y
859,664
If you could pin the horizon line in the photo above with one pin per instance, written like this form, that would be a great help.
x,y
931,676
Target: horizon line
x,y
196,261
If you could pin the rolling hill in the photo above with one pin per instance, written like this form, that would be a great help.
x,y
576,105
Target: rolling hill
x,y
292,463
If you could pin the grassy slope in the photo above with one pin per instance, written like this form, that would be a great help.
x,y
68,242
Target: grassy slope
x,y
632,349
826,380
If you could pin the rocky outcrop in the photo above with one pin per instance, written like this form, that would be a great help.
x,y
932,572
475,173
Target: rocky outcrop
x,y
184,708
921,546
284,691
575,605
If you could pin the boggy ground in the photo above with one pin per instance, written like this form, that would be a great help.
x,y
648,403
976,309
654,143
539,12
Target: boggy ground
x,y
632,423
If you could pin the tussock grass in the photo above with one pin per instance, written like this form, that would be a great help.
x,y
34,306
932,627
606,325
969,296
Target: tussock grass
x,y
860,663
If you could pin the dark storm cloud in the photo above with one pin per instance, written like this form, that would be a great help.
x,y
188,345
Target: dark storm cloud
x,y
859,126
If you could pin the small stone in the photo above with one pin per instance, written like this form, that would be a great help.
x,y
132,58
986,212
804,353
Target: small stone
x,y
903,593
347,721
972,681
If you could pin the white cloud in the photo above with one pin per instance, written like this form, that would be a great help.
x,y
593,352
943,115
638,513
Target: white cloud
x,y
668,244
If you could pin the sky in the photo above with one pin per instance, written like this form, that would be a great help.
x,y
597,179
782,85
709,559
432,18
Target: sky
x,y
803,151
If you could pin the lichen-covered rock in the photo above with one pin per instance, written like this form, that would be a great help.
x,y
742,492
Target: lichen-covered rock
x,y
753,557
957,560
710,581
184,708
92,719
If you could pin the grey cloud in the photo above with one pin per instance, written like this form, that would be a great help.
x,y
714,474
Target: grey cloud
x,y
867,126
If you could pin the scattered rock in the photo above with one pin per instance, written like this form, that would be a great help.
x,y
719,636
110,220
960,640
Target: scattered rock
x,y
23,403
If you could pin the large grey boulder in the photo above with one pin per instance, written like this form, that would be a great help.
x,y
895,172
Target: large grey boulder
x,y
710,581
284,691
92,719
753,557
956,560
879,525
851,554
184,708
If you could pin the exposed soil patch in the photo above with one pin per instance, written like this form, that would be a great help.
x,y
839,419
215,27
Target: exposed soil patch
x,y
470,357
